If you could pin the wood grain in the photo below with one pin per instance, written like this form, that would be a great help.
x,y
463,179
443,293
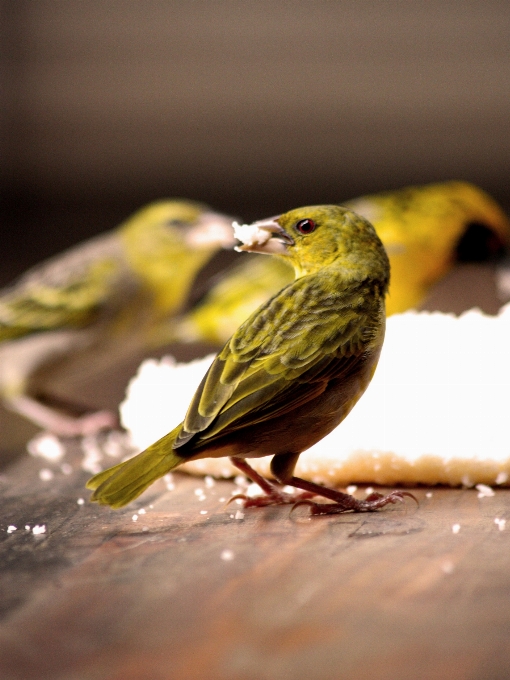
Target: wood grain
x,y
394,594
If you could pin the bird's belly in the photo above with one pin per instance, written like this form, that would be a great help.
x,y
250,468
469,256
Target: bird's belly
x,y
305,425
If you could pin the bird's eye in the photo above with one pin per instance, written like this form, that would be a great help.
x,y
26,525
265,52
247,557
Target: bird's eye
x,y
305,226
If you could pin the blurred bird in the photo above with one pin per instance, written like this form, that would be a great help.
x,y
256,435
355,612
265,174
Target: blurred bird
x,y
291,372
424,230
100,301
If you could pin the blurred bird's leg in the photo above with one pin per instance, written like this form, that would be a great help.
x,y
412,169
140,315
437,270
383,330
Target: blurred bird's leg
x,y
273,496
59,423
282,467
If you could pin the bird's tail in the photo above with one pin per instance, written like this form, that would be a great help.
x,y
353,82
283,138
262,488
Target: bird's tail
x,y
124,482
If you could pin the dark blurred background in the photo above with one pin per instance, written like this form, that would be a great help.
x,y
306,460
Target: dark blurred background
x,y
254,107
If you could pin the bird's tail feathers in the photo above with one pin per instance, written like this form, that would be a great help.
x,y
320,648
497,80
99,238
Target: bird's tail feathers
x,y
124,482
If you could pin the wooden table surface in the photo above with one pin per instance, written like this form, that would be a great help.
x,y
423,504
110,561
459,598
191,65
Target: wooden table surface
x,y
393,595
390,595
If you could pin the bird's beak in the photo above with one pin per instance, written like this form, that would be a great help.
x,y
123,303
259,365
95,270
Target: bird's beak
x,y
211,229
264,236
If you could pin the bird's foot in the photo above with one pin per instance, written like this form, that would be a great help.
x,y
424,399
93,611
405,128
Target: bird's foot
x,y
373,502
273,497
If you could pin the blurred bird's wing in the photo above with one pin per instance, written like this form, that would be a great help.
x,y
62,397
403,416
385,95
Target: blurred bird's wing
x,y
279,359
68,291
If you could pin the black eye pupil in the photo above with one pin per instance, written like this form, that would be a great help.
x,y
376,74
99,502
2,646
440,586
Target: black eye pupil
x,y
305,226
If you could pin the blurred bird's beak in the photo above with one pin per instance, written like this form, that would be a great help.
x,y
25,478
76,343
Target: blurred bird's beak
x,y
264,236
211,229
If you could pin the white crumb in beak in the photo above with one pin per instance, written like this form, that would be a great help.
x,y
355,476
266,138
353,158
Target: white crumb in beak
x,y
250,234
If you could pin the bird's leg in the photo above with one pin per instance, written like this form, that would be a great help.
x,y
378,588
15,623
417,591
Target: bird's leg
x,y
59,423
282,467
273,496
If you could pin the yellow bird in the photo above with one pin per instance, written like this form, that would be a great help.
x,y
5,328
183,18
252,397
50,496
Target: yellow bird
x,y
100,302
420,227
290,373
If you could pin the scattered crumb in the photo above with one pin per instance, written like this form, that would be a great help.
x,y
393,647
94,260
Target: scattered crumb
x,y
11,528
239,515
203,512
222,499
46,475
429,494
142,511
81,501
117,444
456,528
240,480
484,491
169,481
500,523
253,490
231,516
369,490
209,481
92,454
46,446
39,529
227,555
27,527
239,501
135,518
352,489
448,566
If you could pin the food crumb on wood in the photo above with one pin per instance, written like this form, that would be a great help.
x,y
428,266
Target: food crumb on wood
x,y
227,555
484,491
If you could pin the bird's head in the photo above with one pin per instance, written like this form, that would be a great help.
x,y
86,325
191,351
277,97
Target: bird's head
x,y
190,223
318,236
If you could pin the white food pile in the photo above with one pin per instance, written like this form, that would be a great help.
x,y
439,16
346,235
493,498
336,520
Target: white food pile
x,y
436,411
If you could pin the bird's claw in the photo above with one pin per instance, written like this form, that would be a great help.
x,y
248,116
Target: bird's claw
x,y
371,503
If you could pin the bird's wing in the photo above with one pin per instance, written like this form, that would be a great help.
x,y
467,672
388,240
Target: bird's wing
x,y
279,359
68,291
